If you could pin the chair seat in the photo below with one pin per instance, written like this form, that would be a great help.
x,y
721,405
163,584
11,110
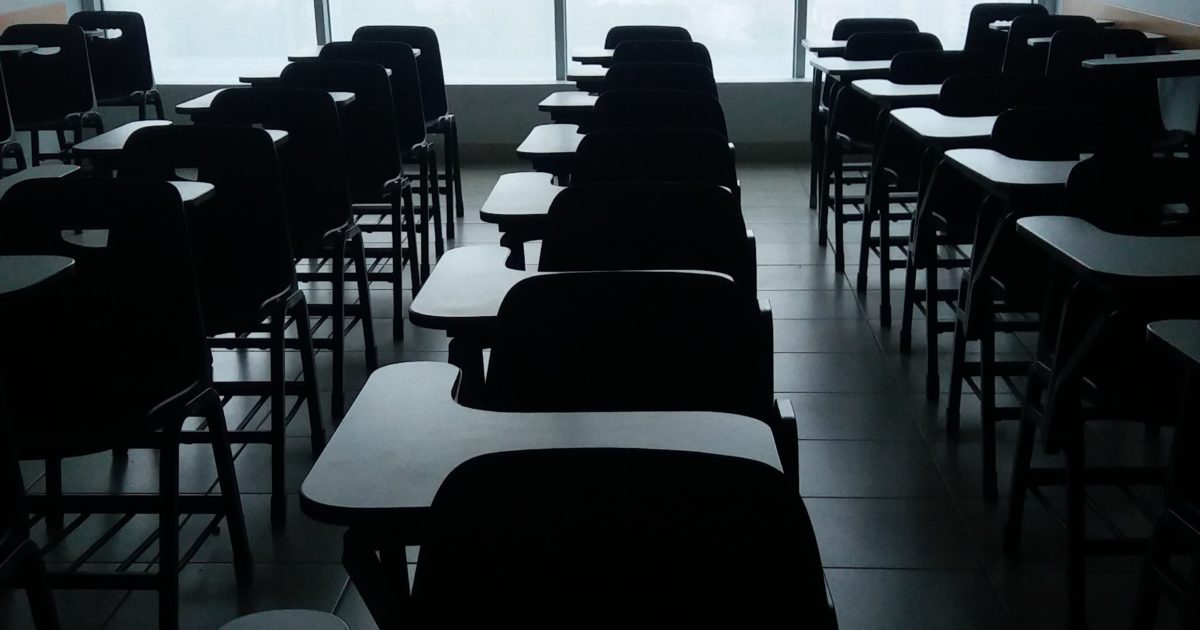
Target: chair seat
x,y
293,619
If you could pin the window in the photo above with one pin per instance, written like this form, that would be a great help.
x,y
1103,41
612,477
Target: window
x,y
483,41
216,41
945,18
749,39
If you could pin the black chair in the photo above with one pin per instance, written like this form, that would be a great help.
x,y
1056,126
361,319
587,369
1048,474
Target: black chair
x,y
667,341
846,28
439,119
660,76
658,51
1020,57
1126,112
51,92
117,366
415,146
378,187
851,129
983,40
9,147
318,196
658,109
653,225
571,512
618,35
21,564
121,71
244,265
662,155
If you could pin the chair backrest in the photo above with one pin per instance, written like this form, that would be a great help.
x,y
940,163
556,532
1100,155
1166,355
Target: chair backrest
x,y
932,66
618,35
693,77
626,341
7,130
121,64
240,238
878,46
313,164
47,87
1130,194
636,109
1056,133
982,39
646,155
128,334
991,94
1020,57
653,225
368,124
667,514
405,82
846,28
433,76
659,51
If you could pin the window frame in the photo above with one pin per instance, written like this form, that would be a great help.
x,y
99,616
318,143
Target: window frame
x,y
562,46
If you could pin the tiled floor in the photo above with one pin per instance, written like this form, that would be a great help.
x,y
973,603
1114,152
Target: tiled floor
x,y
907,541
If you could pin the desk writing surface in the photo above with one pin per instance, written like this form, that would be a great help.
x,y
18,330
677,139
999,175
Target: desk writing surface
x,y
21,273
932,124
465,289
1180,63
885,89
551,140
19,49
560,101
404,434
112,142
993,167
592,54
1093,252
203,103
520,197
824,46
1181,337
314,53
42,171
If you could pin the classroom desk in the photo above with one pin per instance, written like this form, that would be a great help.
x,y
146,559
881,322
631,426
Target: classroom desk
x,y
931,125
1036,42
192,194
1103,257
17,49
592,55
20,275
201,104
272,78
1179,63
520,200
1180,338
588,78
107,147
551,148
42,171
314,54
406,432
825,47
569,107
839,69
1005,25
1003,176
889,95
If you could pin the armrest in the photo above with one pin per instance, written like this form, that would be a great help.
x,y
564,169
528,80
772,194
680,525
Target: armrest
x,y
787,439
752,263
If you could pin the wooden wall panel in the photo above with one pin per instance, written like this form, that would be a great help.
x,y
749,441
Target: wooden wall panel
x,y
51,13
1182,34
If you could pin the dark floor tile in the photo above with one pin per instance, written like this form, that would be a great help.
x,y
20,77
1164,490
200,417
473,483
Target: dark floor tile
x,y
826,335
77,609
832,373
853,416
811,304
891,534
867,469
868,599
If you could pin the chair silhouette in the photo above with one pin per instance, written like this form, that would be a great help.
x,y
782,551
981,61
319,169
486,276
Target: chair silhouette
x,y
415,145
637,341
439,119
1020,57
657,109
318,199
9,147
618,35
378,188
121,68
659,51
50,92
664,155
651,225
692,77
116,366
245,268
982,39
570,512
